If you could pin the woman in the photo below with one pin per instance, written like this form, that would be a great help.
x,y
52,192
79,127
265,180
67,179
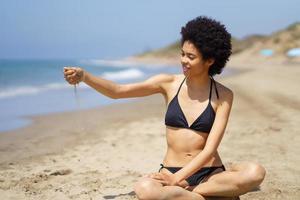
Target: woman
x,y
196,118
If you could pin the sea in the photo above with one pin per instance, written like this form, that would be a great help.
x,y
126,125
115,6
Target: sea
x,y
37,87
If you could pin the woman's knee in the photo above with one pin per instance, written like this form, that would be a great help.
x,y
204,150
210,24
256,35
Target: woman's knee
x,y
146,189
254,174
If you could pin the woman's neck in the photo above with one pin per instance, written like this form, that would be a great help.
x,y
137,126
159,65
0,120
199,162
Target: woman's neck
x,y
199,82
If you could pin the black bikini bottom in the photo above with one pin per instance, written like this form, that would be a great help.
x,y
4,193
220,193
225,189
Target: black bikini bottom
x,y
197,177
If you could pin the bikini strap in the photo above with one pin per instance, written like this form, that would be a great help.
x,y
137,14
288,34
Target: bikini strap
x,y
210,89
217,93
161,167
180,86
212,81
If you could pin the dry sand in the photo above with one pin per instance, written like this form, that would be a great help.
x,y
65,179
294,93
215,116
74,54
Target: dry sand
x,y
100,153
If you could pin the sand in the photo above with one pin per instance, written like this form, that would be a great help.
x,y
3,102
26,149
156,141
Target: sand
x,y
100,153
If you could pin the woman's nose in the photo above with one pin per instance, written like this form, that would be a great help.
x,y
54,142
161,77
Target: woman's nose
x,y
183,60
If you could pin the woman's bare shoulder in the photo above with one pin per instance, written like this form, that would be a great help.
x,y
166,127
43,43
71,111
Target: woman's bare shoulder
x,y
172,79
168,79
164,78
170,84
225,93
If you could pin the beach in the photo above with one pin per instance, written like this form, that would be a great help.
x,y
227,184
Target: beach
x,y
100,153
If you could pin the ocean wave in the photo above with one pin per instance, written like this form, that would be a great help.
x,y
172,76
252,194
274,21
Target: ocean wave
x,y
31,90
123,74
18,91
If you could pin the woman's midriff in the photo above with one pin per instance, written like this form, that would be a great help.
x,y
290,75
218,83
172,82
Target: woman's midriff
x,y
184,145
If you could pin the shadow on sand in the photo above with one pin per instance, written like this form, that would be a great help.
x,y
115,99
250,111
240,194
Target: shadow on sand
x,y
132,193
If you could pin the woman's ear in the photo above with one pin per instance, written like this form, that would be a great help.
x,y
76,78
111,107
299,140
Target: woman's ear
x,y
210,61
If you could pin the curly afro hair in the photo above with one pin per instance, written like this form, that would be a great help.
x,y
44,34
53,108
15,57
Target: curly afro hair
x,y
211,39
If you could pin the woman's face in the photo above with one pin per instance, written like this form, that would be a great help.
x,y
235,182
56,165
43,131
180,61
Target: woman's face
x,y
192,61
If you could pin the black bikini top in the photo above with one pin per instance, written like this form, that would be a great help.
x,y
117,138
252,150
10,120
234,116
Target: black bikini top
x,y
175,116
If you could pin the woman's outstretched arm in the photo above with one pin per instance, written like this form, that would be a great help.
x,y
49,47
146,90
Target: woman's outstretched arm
x,y
153,85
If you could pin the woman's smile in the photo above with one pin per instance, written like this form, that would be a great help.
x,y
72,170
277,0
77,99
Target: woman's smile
x,y
185,69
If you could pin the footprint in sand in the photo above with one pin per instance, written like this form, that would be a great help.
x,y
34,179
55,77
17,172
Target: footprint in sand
x,y
61,172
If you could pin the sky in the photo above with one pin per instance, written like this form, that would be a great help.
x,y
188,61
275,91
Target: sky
x,y
97,29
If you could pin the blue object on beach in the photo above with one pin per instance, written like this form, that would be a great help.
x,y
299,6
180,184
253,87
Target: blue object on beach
x,y
266,52
293,52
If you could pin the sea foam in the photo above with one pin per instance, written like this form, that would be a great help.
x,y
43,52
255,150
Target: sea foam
x,y
123,74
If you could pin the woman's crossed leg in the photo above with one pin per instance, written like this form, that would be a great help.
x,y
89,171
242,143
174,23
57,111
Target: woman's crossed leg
x,y
150,189
237,180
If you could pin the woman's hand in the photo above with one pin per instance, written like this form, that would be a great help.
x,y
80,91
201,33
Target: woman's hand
x,y
74,75
165,177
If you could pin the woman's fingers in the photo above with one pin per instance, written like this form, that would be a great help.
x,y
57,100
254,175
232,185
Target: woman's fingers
x,y
157,177
69,75
166,171
152,175
69,72
75,73
72,78
162,182
68,69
